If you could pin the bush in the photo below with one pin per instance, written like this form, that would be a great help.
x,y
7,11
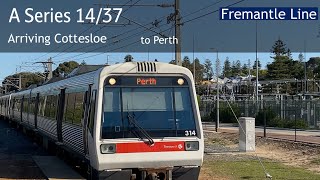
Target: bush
x,y
225,113
206,118
269,113
287,123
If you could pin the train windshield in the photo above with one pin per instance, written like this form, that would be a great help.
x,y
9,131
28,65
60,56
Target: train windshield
x,y
159,111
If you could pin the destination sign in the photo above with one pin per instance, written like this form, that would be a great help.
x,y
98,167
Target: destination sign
x,y
145,81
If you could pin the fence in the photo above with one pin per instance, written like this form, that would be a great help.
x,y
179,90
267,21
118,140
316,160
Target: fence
x,y
274,111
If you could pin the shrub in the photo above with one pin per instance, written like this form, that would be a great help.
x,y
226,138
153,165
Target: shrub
x,y
225,113
269,113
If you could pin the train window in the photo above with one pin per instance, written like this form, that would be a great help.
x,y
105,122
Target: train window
x,y
41,105
31,109
53,107
92,111
18,105
78,108
25,105
47,106
112,112
184,109
161,111
69,108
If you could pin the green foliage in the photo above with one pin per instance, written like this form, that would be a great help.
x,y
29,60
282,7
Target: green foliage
x,y
208,69
279,48
27,79
285,123
225,113
199,68
236,68
128,58
273,120
65,68
227,68
279,68
255,64
268,113
245,69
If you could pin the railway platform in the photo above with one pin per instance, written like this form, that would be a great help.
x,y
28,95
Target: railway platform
x,y
21,158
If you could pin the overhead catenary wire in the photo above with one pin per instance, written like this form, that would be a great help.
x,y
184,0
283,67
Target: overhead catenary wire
x,y
36,59
90,56
126,38
209,13
148,28
100,27
167,29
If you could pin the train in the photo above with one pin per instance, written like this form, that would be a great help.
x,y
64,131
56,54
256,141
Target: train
x,y
132,120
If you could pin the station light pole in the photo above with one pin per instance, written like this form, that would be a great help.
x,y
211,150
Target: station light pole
x,y
218,87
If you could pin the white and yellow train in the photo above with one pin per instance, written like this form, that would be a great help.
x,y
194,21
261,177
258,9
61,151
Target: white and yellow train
x,y
135,120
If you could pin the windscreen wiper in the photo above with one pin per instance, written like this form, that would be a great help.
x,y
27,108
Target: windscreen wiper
x,y
143,131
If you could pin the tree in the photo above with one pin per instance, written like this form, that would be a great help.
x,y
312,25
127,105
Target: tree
x,y
199,70
289,53
65,68
27,79
313,66
83,63
297,69
280,67
255,64
245,69
227,68
128,58
300,57
186,63
238,67
208,69
279,48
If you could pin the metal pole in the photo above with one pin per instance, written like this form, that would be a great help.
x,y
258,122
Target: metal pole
x,y
264,123
194,62
257,68
177,33
295,121
305,68
49,65
248,85
218,88
295,128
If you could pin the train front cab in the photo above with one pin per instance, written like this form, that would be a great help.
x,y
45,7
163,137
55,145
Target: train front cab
x,y
148,127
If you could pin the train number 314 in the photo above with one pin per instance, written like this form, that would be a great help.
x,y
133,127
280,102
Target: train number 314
x,y
190,133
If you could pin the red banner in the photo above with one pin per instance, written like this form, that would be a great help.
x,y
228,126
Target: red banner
x,y
143,147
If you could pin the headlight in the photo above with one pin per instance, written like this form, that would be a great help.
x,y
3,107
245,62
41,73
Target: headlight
x,y
191,145
108,148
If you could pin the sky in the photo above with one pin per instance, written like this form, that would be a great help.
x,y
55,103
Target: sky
x,y
12,62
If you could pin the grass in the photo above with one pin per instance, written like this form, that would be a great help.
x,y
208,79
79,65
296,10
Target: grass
x,y
251,169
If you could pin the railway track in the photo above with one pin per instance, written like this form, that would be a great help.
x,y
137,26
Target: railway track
x,y
273,136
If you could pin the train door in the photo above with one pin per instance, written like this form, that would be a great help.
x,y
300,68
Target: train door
x,y
60,111
87,100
